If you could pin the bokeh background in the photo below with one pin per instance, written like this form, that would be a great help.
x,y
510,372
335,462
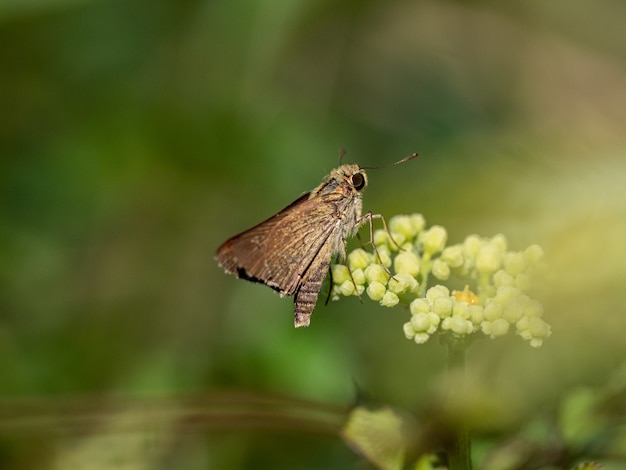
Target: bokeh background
x,y
136,136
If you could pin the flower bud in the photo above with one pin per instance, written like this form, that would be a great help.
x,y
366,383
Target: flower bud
x,y
513,311
533,254
420,322
460,310
402,224
502,278
492,311
506,295
436,292
421,338
389,299
359,258
499,241
358,276
514,263
453,255
381,237
488,259
472,244
340,273
499,327
346,288
442,306
419,306
376,291
407,262
376,273
408,330
385,255
434,239
401,283
475,314
418,222
457,325
441,270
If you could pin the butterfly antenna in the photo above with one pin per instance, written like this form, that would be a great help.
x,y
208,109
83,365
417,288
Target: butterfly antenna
x,y
342,153
405,159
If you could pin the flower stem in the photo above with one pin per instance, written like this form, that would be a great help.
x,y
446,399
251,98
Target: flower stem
x,y
458,448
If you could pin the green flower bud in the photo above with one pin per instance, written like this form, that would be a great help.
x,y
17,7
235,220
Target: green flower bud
x,y
359,276
402,224
502,278
360,288
460,310
421,338
425,323
536,342
514,263
396,240
492,311
334,293
359,258
488,259
376,291
475,314
499,327
407,262
389,299
408,330
418,222
407,246
401,283
472,244
419,306
340,273
434,239
346,288
441,270
376,273
436,292
385,255
499,241
533,254
381,237
533,328
459,326
442,306
513,311
420,322
453,255
506,295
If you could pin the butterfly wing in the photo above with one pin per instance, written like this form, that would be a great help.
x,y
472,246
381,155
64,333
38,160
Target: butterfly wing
x,y
279,251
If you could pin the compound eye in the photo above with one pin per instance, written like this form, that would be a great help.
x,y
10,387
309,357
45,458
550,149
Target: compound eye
x,y
358,181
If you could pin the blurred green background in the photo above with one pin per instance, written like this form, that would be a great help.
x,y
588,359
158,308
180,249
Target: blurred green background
x,y
138,135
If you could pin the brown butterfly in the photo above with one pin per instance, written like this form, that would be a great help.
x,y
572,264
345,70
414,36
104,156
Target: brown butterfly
x,y
292,250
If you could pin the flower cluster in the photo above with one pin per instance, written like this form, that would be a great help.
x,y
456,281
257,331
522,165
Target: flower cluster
x,y
408,254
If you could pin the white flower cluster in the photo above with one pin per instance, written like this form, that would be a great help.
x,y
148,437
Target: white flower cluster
x,y
501,278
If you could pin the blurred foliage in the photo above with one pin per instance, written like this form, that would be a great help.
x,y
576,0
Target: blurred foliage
x,y
137,135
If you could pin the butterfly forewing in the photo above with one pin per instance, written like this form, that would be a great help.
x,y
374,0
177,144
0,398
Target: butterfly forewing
x,y
279,251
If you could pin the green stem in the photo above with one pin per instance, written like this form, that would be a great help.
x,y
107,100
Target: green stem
x,y
425,271
458,448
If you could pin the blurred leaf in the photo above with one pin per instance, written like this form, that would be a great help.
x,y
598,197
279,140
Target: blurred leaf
x,y
378,435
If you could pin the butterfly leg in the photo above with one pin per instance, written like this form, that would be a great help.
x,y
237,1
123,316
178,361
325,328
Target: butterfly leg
x,y
345,257
369,217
